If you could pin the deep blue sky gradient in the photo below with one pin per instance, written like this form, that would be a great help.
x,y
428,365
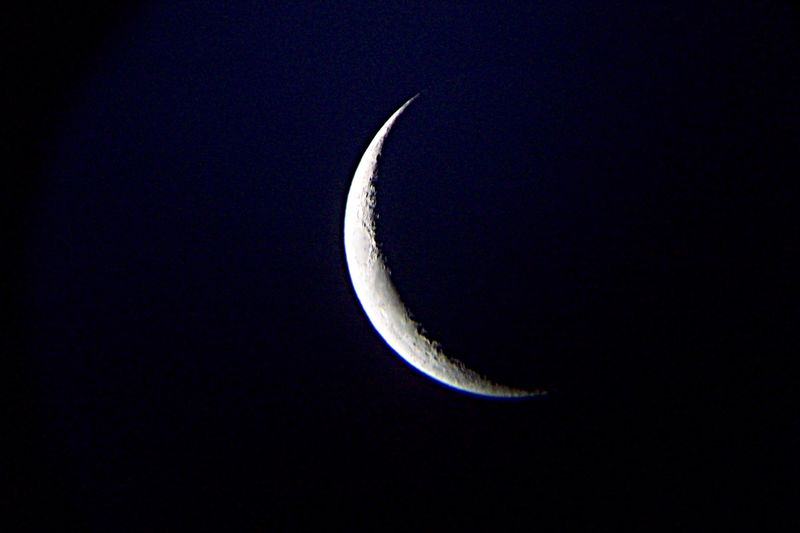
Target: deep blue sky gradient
x,y
590,198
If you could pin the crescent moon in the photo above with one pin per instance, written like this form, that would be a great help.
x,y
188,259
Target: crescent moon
x,y
378,296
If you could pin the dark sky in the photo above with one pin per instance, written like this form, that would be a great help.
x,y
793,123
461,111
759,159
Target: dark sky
x,y
595,200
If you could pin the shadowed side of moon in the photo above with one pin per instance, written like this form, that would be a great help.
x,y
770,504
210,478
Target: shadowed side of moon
x,y
374,288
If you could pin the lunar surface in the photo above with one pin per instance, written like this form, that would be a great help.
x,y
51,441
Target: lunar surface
x,y
378,296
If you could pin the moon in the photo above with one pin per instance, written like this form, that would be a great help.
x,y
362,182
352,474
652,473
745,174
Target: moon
x,y
378,296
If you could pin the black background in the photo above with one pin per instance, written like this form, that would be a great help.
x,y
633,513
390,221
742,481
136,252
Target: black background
x,y
593,199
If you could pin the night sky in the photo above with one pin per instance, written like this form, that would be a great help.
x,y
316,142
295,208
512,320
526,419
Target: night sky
x,y
595,200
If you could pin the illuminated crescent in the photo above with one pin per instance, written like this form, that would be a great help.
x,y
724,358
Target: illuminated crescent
x,y
378,296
